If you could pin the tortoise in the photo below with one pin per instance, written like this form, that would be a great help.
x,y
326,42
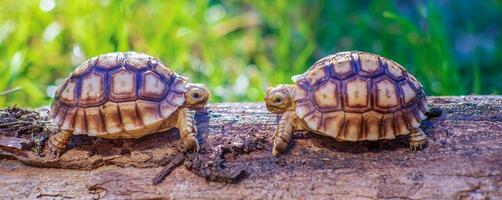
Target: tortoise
x,y
350,96
125,95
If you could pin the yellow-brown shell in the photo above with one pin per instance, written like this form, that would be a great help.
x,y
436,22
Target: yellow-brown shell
x,y
354,96
118,95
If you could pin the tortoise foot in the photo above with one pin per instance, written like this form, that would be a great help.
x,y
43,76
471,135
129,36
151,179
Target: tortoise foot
x,y
417,139
57,143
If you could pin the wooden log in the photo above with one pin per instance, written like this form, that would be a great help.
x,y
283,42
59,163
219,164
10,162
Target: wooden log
x,y
462,161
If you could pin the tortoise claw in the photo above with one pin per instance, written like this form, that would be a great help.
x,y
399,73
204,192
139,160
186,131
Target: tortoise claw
x,y
277,150
197,147
191,144
416,146
55,152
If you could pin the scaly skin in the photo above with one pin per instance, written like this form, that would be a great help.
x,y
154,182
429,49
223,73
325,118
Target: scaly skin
x,y
188,132
57,143
282,134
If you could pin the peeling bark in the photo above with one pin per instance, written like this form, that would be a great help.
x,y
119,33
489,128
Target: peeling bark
x,y
462,161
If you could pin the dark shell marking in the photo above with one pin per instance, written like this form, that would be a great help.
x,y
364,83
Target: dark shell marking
x,y
356,96
117,95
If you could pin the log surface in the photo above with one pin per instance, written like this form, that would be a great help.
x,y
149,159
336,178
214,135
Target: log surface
x,y
463,160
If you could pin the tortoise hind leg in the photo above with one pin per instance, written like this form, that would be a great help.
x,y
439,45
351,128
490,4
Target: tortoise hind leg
x,y
188,131
417,139
57,143
282,134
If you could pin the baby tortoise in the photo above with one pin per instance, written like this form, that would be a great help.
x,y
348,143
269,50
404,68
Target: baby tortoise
x,y
350,96
125,95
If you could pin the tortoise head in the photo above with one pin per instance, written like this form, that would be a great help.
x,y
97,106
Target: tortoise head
x,y
196,96
279,99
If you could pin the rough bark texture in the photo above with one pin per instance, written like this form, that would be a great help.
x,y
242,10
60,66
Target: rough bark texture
x,y
462,161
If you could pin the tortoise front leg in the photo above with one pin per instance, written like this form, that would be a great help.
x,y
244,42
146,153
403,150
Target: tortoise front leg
x,y
283,132
188,131
57,143
417,139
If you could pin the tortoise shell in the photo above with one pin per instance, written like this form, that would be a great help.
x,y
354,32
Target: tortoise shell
x,y
118,95
354,96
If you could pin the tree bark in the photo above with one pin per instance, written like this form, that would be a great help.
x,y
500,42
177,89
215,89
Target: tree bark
x,y
463,160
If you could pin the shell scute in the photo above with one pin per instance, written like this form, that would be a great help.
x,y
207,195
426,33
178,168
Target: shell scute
x,y
388,127
342,67
166,108
129,116
109,60
304,108
316,75
123,85
137,60
69,91
408,94
61,87
176,95
412,119
357,95
179,84
149,112
79,126
370,65
55,106
93,89
175,98
152,86
59,116
352,128
422,104
164,71
69,118
326,96
95,125
371,125
301,93
313,120
386,94
332,124
84,67
415,82
394,70
111,117
401,124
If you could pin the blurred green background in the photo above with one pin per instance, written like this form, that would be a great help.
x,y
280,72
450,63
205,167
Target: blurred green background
x,y
239,48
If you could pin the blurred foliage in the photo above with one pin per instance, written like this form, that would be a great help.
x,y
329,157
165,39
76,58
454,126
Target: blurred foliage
x,y
239,48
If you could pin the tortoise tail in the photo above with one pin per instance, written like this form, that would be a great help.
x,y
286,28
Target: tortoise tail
x,y
434,112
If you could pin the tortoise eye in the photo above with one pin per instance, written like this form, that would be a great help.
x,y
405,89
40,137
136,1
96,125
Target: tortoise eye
x,y
277,100
196,95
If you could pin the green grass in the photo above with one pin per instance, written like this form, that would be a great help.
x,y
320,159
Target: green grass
x,y
239,48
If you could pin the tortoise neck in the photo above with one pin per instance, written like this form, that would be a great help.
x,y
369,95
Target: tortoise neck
x,y
292,93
